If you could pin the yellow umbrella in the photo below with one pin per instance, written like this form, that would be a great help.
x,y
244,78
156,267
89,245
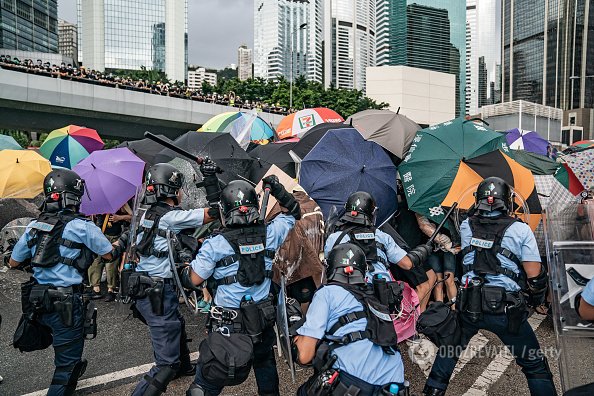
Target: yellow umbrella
x,y
22,173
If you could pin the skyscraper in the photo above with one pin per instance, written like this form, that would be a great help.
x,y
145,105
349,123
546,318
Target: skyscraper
x,y
350,42
130,34
68,40
288,39
429,34
244,62
546,48
483,41
29,25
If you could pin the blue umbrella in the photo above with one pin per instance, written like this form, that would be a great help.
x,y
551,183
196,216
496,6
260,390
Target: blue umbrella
x,y
7,142
341,163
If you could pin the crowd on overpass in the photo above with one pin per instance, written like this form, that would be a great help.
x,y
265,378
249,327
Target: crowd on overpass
x,y
177,89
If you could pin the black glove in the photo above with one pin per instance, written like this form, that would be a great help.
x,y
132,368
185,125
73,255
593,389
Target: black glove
x,y
274,184
186,280
537,289
419,254
214,212
294,315
208,167
117,251
284,198
212,186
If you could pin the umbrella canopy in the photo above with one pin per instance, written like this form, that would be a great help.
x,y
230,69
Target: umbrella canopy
x,y
582,166
11,233
243,126
111,178
394,132
7,142
538,164
193,197
66,147
343,163
566,177
519,139
22,173
272,154
296,124
433,160
145,149
313,136
220,147
472,171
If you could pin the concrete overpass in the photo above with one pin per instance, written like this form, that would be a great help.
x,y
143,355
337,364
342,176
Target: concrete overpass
x,y
39,103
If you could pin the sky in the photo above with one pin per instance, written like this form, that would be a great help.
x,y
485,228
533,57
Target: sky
x,y
216,28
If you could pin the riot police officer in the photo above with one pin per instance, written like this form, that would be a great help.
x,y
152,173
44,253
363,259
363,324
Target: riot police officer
x,y
344,323
357,226
501,260
60,245
237,264
152,285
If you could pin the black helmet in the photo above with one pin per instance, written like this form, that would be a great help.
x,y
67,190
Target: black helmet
x,y
346,264
360,208
493,193
162,181
239,204
62,188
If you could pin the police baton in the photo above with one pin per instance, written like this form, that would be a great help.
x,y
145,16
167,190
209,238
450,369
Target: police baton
x,y
440,226
264,205
199,160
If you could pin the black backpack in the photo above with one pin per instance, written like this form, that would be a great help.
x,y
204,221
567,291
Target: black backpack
x,y
226,359
440,324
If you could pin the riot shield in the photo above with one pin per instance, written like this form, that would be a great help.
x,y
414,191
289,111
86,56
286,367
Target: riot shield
x,y
130,258
282,324
569,232
171,242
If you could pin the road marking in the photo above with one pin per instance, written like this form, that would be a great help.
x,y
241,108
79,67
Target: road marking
x,y
498,365
476,344
111,377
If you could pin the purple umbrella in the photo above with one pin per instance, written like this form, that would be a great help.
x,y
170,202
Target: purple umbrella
x,y
518,139
111,178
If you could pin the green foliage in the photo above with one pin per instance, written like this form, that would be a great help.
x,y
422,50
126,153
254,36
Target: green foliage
x,y
42,138
226,74
110,143
306,94
144,74
22,138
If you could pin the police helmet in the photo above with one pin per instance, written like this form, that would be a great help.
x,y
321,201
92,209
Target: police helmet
x,y
492,194
163,181
62,188
239,204
360,209
346,264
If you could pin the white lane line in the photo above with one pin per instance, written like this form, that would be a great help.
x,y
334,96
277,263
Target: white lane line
x,y
475,345
111,377
498,365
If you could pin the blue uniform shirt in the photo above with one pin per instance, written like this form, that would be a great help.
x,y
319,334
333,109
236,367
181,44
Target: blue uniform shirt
x,y
394,252
217,248
62,275
175,221
362,359
518,239
588,292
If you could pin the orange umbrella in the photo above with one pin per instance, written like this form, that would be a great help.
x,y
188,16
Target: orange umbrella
x,y
298,123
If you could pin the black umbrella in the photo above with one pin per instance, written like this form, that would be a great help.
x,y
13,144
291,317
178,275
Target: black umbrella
x,y
145,149
220,147
272,154
313,136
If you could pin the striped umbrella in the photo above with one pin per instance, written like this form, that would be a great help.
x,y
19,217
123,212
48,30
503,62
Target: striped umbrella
x,y
66,147
243,126
298,123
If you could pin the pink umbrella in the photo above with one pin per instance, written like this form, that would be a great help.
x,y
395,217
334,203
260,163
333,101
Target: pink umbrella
x,y
405,324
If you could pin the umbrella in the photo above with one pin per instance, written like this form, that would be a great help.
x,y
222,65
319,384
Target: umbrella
x,y
538,164
111,178
582,166
313,136
243,126
566,177
66,147
269,154
393,131
145,149
22,173
193,197
579,146
296,124
430,166
519,139
11,233
342,163
7,142
220,147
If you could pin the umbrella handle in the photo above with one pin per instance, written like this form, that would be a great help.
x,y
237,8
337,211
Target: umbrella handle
x,y
440,226
477,119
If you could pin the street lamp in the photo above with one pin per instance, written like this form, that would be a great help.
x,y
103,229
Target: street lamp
x,y
301,27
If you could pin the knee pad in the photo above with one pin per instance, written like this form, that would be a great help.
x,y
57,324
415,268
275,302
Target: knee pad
x,y
196,390
158,383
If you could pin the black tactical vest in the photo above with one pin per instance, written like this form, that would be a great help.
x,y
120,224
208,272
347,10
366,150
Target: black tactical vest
x,y
46,236
150,230
364,237
487,235
249,245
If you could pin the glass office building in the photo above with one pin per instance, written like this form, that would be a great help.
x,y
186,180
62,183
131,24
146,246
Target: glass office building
x,y
416,33
29,25
130,34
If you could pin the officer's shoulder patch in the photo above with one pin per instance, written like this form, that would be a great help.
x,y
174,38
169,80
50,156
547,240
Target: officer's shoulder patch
x,y
146,223
41,226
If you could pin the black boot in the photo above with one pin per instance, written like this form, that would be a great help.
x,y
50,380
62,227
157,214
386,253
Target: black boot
x,y
431,391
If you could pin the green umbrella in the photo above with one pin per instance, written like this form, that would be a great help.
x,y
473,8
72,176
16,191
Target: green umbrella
x,y
7,142
432,162
538,164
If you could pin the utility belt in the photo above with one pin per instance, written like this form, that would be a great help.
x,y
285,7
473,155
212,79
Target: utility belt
x,y
141,285
477,298
250,319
